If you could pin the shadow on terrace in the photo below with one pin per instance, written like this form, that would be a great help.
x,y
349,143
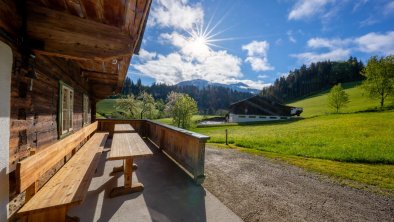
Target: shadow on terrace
x,y
172,191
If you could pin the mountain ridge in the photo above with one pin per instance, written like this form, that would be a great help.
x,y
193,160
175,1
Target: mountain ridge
x,y
201,83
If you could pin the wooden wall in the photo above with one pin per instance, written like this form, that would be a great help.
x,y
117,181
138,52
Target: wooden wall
x,y
34,109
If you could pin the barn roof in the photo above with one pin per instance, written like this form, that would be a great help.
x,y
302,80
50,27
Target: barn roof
x,y
258,105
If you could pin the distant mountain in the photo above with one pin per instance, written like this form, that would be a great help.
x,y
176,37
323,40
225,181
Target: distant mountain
x,y
201,83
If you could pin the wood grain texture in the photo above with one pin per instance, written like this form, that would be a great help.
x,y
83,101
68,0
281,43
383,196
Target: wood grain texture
x,y
69,186
31,169
69,36
123,128
126,145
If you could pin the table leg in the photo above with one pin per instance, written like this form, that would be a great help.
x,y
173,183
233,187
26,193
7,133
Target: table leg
x,y
128,187
128,172
120,169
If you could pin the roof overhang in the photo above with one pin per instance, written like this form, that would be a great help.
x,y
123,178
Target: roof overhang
x,y
101,36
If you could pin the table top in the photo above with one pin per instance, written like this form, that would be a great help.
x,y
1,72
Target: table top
x,y
126,145
123,128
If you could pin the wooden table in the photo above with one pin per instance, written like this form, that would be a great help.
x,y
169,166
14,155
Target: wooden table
x,y
123,128
126,147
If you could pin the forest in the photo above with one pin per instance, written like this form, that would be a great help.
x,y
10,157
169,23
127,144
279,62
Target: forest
x,y
210,100
319,76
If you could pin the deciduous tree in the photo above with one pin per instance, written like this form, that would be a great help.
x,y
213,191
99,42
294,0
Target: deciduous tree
x,y
379,74
127,106
337,98
147,105
181,108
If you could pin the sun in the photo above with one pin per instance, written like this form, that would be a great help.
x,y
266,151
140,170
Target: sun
x,y
201,40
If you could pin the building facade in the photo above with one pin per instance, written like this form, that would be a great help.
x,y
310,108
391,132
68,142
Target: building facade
x,y
260,109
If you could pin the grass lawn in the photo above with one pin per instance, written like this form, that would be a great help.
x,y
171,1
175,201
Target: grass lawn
x,y
195,119
361,137
318,104
106,106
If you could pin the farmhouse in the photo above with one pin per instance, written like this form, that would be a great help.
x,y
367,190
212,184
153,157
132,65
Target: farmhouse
x,y
258,108
57,59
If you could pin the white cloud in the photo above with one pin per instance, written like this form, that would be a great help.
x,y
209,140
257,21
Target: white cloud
x,y
251,83
309,57
359,4
389,8
176,67
256,48
257,55
371,20
307,8
376,43
188,46
291,37
176,14
145,55
338,49
328,43
262,76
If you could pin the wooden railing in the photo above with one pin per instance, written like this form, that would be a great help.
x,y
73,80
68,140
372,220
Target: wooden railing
x,y
184,147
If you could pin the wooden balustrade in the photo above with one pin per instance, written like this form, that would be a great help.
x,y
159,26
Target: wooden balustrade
x,y
184,147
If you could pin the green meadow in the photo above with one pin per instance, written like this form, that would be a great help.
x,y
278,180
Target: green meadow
x,y
355,147
317,105
360,137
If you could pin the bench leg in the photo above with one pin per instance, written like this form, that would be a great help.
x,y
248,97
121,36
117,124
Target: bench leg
x,y
58,215
128,187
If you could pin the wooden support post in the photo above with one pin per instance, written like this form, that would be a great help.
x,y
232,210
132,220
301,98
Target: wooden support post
x,y
162,139
31,191
226,137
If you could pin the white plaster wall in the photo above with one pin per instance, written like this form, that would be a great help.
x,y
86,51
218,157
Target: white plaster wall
x,y
5,97
233,118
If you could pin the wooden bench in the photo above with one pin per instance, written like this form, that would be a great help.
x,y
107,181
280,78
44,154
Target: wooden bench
x,y
126,147
69,185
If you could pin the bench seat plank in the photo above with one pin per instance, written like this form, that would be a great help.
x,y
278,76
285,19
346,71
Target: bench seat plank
x,y
69,185
126,145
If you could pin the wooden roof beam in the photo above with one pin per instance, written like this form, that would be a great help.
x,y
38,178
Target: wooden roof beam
x,y
63,35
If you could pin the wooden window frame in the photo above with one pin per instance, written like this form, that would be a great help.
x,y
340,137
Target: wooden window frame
x,y
63,133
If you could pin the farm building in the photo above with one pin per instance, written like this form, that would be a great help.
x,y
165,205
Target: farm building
x,y
258,108
57,59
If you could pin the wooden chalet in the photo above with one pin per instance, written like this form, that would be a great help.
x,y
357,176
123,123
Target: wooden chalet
x,y
57,59
258,108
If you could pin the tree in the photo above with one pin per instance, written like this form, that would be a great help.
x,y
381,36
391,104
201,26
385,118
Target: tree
x,y
379,74
181,108
147,105
337,98
172,97
127,106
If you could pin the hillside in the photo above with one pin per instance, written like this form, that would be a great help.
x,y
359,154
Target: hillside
x,y
318,104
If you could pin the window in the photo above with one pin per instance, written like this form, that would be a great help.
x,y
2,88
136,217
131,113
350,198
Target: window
x,y
252,117
86,109
66,103
241,116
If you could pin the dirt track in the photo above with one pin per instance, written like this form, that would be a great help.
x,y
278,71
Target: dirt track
x,y
260,189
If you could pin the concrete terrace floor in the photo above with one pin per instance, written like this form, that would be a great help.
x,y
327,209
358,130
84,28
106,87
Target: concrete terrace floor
x,y
169,195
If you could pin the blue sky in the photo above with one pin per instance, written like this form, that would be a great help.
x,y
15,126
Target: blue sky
x,y
257,41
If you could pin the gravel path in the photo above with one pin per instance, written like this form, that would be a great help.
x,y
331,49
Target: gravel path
x,y
260,189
